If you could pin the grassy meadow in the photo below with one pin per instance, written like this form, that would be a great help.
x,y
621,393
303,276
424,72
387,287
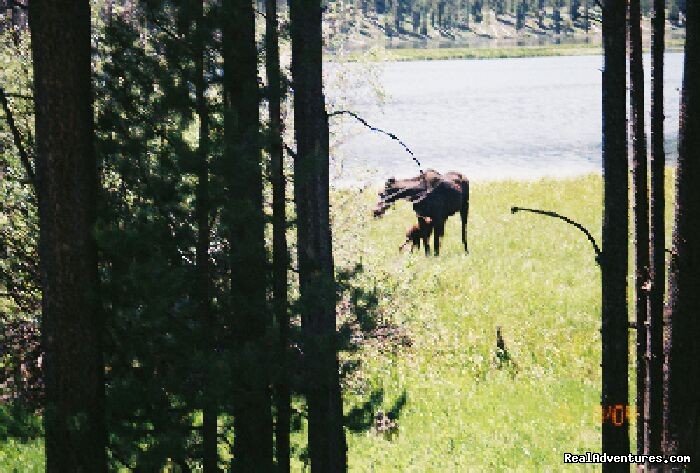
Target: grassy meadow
x,y
425,339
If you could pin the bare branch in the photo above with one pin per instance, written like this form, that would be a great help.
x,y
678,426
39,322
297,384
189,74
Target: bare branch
x,y
16,4
583,229
17,137
290,151
374,128
18,96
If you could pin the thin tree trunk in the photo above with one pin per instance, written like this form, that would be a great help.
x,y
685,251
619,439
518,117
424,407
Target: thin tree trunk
x,y
252,405
684,281
657,198
280,256
210,458
614,331
327,446
66,168
641,216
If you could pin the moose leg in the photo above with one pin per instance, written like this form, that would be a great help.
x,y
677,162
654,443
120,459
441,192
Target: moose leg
x,y
438,230
465,214
424,227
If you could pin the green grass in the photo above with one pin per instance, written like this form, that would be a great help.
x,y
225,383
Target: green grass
x,y
22,457
430,54
492,53
536,277
532,275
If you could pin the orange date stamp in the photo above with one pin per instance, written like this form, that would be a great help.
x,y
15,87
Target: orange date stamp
x,y
617,414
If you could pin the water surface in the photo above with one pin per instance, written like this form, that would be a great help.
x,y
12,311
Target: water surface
x,y
519,118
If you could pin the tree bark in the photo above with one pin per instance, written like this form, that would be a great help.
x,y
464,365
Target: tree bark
x,y
244,218
327,446
684,280
655,358
66,168
280,255
210,457
614,332
641,218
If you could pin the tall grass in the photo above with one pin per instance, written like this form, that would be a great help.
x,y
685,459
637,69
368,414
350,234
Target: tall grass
x,y
534,276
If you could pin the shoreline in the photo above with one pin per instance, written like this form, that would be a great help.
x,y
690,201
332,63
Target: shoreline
x,y
344,185
483,53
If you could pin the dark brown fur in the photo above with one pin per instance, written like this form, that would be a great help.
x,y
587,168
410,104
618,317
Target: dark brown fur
x,y
417,232
434,195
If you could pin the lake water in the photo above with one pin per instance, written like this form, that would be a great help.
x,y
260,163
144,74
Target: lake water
x,y
491,119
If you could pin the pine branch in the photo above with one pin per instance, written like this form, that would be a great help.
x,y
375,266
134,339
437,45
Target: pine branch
x,y
17,138
583,229
374,128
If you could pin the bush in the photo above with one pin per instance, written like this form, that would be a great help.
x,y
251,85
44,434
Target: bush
x,y
19,423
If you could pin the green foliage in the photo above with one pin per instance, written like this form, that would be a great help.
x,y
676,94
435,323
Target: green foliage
x,y
146,238
18,423
20,295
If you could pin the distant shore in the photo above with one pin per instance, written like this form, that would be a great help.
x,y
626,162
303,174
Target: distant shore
x,y
481,52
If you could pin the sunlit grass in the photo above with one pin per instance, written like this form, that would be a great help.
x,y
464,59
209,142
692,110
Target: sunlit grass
x,y
534,276
22,457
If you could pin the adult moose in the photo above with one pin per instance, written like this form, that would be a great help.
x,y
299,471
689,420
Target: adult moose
x,y
433,195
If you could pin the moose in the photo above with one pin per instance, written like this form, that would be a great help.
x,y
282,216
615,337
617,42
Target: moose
x,y
433,195
417,232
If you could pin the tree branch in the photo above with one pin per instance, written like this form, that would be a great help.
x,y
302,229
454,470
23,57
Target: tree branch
x,y
290,151
374,128
18,96
16,4
17,138
583,229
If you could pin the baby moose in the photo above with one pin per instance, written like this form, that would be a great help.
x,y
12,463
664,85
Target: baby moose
x,y
417,232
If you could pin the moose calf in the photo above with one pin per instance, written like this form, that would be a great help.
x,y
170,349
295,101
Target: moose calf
x,y
418,231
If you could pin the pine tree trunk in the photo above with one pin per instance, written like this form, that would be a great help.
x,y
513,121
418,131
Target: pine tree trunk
x,y
684,280
210,439
244,216
641,216
658,235
614,331
280,256
327,446
66,169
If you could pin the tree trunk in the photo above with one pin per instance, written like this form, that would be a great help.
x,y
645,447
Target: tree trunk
x,y
210,458
684,281
252,448
615,428
467,12
655,359
66,169
641,216
280,256
327,447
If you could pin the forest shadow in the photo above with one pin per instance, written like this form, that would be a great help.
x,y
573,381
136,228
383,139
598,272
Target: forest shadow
x,y
368,415
363,322
361,318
